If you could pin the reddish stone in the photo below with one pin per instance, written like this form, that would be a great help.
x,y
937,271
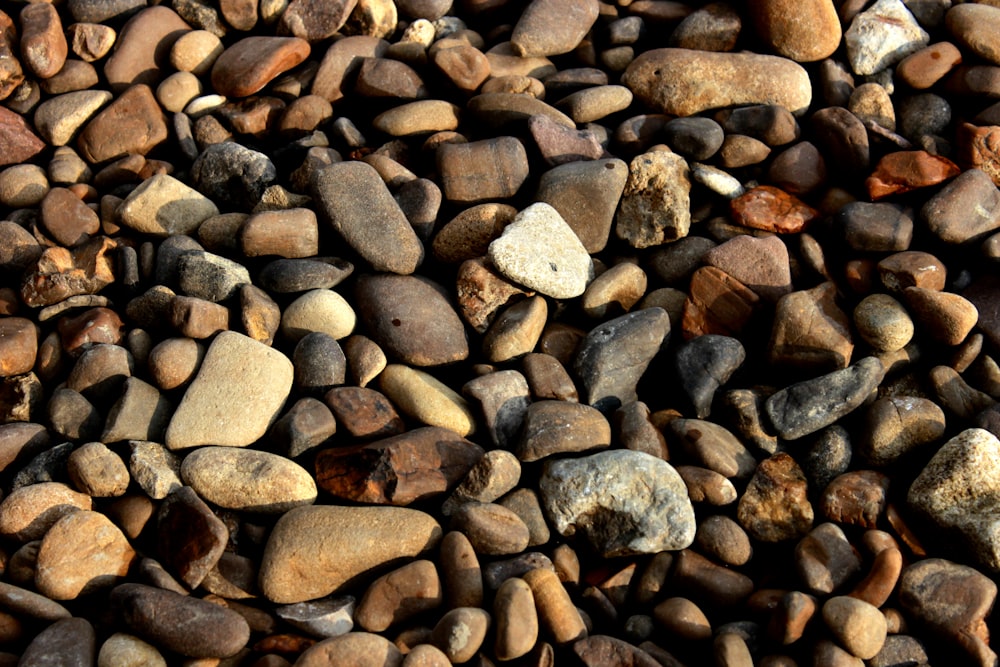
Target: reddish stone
x,y
18,346
68,220
255,116
923,69
253,62
11,74
857,498
43,43
364,412
717,303
190,538
422,463
773,210
979,147
89,328
133,123
903,171
60,273
19,143
482,292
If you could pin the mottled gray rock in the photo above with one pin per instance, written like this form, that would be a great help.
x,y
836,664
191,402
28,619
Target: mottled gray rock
x,y
613,356
959,491
704,364
808,406
233,175
881,36
623,502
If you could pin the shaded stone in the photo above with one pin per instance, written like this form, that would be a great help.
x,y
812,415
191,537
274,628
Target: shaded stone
x,y
703,365
589,216
856,498
504,398
492,530
132,123
251,63
897,425
399,470
364,412
399,595
190,538
27,513
714,447
232,175
626,512
482,170
68,641
966,209
80,554
825,560
313,20
142,52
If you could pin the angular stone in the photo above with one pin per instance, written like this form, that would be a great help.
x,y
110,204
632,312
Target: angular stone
x,y
540,251
314,551
904,171
590,216
623,502
613,357
655,204
772,210
81,553
329,617
411,319
132,123
155,469
358,204
233,175
881,36
825,560
808,406
810,331
559,427
716,303
856,498
59,118
675,81
504,398
897,425
703,365
237,393
775,508
399,470
958,491
945,317
190,538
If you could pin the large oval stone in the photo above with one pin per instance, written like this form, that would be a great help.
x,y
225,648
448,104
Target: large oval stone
x,y
248,479
314,551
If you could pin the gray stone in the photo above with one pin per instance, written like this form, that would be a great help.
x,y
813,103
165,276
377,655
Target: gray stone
x,y
69,642
613,356
704,364
808,406
623,502
328,617
233,175
504,398
586,195
881,36
210,277
966,209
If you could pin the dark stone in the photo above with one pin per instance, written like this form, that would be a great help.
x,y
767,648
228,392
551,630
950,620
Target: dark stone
x,y
319,363
69,642
704,364
232,175
285,276
695,138
190,538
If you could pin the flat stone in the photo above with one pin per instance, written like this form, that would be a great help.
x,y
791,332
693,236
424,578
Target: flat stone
x,y
958,490
183,624
484,170
771,209
881,36
341,60
759,263
655,203
248,480
714,447
591,216
492,529
290,233
811,331
132,123
314,551
68,641
251,63
239,389
142,52
329,617
21,141
904,171
80,554
673,81
613,356
356,201
560,427
810,405
623,502
28,512
420,117
288,276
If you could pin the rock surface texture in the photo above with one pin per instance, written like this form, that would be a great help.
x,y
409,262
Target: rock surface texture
x,y
410,333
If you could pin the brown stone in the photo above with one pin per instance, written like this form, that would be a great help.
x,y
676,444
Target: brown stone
x,y
18,346
19,142
399,595
314,20
82,553
979,147
60,273
482,170
801,31
773,210
774,507
921,70
482,292
364,413
43,44
825,560
912,268
399,470
142,53
132,123
703,580
947,318
251,63
811,331
67,219
11,74
190,538
903,171
717,304
856,498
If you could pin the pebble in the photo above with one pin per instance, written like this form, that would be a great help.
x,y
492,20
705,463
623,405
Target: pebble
x,y
672,81
313,551
557,427
623,514
945,317
251,63
318,311
132,123
492,530
229,402
803,32
68,641
515,620
825,560
400,595
951,491
655,204
129,651
705,364
247,480
973,29
59,119
881,36
164,206
775,506
81,554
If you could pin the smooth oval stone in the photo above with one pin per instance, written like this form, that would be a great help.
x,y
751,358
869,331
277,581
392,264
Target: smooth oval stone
x,y
553,27
411,319
69,641
353,197
57,119
479,171
460,633
623,502
28,512
82,553
125,650
423,397
320,310
559,427
516,619
248,480
803,31
239,390
285,276
354,648
859,626
400,595
251,63
420,117
180,623
142,50
975,27
684,82
314,551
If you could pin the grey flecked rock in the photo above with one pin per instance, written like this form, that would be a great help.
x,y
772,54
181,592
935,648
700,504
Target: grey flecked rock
x,y
959,491
353,197
655,205
704,364
233,175
210,277
240,387
623,502
540,251
586,194
881,36
808,406
613,356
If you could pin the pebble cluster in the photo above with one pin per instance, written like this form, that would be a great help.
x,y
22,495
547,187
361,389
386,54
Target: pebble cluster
x,y
409,333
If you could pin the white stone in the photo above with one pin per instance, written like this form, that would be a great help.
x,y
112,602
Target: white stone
x,y
319,310
959,491
624,502
718,181
239,390
163,206
154,469
882,36
542,252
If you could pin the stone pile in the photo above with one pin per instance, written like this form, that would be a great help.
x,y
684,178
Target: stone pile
x,y
499,332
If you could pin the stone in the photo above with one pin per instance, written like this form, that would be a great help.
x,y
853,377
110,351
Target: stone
x,y
857,498
540,251
290,233
364,412
245,67
972,27
858,626
809,32
22,143
898,425
829,455
314,551
180,623
883,323
289,276
672,81
590,217
613,356
560,144
247,480
626,512
683,619
420,117
320,363
239,389
484,170
129,651
759,263
552,27
825,560
142,51
515,620
714,447
164,206
771,209
493,475
945,317
59,118
877,227
951,601
411,319
329,617
881,36
696,577
922,69
82,553
132,123
775,506
372,224
399,595
957,489
808,406
313,21
30,511
904,171
655,203
468,235
190,538
705,364
556,612
18,346
318,311
68,641
724,539
492,530
233,175
504,397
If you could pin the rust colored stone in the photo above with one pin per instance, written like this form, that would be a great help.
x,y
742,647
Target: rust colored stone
x,y
60,273
903,171
717,303
253,62
979,147
773,210
19,143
